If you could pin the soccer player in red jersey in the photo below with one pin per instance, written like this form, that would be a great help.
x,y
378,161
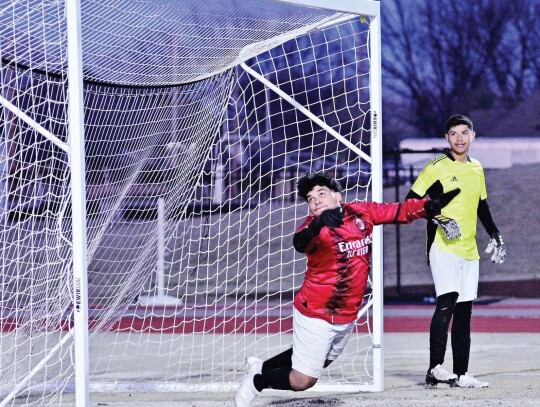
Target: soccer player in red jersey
x,y
336,238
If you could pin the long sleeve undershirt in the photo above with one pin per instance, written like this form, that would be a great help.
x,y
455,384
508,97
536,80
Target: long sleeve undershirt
x,y
483,212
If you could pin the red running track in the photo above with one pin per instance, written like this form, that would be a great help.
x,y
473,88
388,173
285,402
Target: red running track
x,y
512,318
397,318
478,324
485,318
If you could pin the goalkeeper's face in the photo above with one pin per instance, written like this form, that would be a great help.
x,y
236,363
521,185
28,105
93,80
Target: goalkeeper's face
x,y
460,138
321,198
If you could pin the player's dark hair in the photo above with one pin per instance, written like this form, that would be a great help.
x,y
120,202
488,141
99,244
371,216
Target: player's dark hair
x,y
311,180
458,119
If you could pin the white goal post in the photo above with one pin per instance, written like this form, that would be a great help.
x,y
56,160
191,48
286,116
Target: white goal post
x,y
149,152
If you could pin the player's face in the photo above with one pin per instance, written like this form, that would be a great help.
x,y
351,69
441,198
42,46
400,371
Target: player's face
x,y
460,138
322,198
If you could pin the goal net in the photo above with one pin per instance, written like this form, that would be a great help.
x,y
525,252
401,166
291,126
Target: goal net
x,y
199,116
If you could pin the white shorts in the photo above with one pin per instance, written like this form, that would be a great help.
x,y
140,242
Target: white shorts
x,y
452,273
316,340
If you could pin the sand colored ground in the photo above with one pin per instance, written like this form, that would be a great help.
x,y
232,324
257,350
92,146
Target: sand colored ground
x,y
508,361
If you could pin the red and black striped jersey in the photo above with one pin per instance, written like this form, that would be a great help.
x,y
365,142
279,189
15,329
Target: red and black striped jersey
x,y
338,259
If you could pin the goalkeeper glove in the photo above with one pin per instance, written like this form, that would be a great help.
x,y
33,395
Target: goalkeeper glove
x,y
496,245
433,207
330,217
449,226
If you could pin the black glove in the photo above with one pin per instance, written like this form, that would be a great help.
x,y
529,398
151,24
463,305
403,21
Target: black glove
x,y
330,217
496,245
433,207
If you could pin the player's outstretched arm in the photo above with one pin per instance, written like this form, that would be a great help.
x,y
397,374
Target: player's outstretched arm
x,y
413,207
330,217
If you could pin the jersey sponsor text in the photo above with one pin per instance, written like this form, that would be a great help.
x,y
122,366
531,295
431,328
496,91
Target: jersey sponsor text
x,y
358,247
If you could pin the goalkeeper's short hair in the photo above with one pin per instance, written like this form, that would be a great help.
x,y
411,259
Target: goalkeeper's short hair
x,y
312,179
458,119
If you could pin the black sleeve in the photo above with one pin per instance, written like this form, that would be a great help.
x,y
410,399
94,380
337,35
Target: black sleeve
x,y
485,216
302,238
435,190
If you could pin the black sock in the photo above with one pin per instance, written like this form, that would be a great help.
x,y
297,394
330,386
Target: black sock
x,y
277,379
461,336
284,359
438,330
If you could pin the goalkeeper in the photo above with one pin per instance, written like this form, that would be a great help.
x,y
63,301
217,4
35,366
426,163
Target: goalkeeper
x,y
454,264
336,238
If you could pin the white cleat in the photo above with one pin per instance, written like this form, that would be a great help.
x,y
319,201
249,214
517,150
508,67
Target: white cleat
x,y
467,381
253,365
246,392
439,375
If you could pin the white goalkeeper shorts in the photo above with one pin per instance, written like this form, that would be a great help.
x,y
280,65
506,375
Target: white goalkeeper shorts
x,y
316,340
452,273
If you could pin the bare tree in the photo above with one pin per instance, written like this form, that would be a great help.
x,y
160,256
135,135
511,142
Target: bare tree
x,y
516,64
438,57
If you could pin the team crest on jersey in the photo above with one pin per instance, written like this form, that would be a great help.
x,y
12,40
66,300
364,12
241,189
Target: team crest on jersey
x,y
360,224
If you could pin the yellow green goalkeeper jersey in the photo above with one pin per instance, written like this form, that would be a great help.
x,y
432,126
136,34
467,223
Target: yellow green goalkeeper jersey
x,y
443,174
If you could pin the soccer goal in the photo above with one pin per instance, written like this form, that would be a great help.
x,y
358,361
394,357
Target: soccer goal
x,y
149,152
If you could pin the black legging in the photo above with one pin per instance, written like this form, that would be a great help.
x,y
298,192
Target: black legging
x,y
446,309
461,336
275,372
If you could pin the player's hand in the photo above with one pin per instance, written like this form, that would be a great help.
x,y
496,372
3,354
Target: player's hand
x,y
449,226
496,245
330,217
433,206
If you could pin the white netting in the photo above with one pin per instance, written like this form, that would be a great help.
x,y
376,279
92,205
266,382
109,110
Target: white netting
x,y
152,42
171,118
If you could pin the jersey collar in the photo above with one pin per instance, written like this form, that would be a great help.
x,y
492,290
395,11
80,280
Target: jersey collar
x,y
448,153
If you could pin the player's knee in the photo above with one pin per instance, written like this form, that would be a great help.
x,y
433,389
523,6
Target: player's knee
x,y
447,302
301,382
